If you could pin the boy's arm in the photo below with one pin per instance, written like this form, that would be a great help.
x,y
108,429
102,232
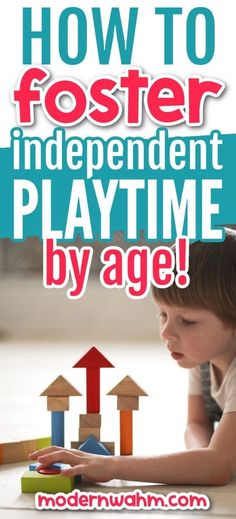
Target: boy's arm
x,y
207,466
199,429
213,465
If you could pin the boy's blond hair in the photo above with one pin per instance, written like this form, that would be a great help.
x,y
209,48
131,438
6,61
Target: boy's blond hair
x,y
212,271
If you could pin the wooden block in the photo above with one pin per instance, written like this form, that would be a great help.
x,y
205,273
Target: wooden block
x,y
58,428
58,403
127,387
19,451
84,432
110,446
93,446
60,387
32,482
75,444
33,466
126,433
43,442
90,420
1,454
93,361
127,402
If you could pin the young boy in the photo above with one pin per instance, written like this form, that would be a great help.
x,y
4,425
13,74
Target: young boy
x,y
198,325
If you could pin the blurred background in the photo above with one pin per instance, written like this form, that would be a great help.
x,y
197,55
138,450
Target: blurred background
x,y
29,311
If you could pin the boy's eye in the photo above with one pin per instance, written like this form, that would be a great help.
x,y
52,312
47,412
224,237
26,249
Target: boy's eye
x,y
188,322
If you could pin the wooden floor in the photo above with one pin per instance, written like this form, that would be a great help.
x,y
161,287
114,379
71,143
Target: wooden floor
x,y
26,369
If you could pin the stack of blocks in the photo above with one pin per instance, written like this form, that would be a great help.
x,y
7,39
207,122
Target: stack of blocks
x,y
128,393
90,423
57,393
89,430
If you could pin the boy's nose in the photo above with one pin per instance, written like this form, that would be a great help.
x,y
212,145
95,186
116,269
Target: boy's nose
x,y
168,333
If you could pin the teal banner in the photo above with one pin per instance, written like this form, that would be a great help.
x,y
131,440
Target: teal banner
x,y
67,186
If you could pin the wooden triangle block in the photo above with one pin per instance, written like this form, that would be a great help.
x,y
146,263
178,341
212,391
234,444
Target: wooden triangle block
x,y
127,387
60,387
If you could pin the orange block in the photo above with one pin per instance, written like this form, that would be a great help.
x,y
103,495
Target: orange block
x,y
126,433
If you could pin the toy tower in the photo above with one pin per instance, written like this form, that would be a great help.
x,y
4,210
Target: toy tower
x,y
90,423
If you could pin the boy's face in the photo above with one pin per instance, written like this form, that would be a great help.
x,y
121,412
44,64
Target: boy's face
x,y
194,336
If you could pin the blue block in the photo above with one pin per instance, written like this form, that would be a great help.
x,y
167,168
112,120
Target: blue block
x,y
93,446
58,436
33,466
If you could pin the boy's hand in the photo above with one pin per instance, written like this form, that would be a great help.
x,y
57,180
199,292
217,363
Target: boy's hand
x,y
93,467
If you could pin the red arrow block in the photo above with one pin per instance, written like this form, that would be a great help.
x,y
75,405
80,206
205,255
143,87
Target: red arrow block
x,y
93,390
93,361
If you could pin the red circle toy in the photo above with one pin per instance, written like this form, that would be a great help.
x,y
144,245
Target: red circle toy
x,y
48,471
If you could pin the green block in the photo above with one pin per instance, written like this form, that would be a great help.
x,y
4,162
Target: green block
x,y
43,442
32,482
